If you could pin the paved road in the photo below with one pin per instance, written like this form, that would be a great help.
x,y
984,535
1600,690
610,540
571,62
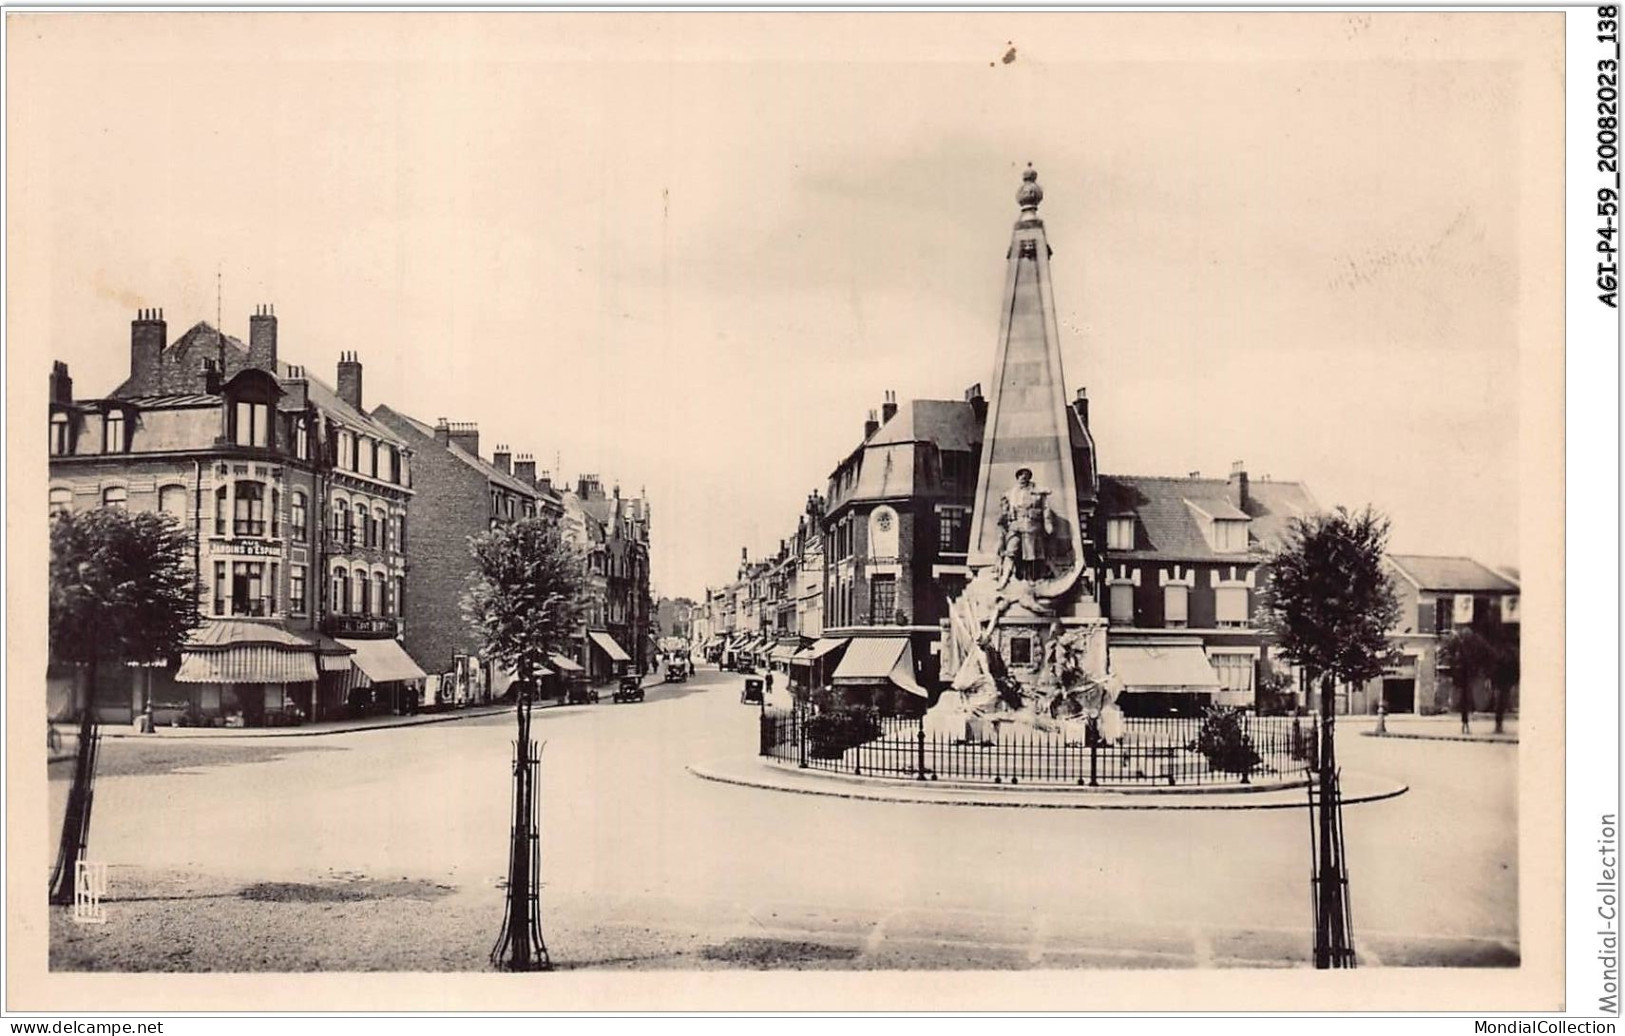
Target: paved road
x,y
649,866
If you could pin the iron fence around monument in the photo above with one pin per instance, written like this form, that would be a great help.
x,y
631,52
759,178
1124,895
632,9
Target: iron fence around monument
x,y
1169,751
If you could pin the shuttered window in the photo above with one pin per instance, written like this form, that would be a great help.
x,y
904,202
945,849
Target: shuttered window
x,y
1230,605
1175,604
1123,604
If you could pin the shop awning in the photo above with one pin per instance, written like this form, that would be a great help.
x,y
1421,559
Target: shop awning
x,y
383,661
782,652
564,665
1180,667
871,660
823,646
331,656
247,663
607,644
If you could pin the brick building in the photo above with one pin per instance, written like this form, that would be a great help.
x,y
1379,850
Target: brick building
x,y
458,495
297,505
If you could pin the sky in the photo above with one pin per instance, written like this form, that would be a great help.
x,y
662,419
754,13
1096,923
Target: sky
x,y
689,253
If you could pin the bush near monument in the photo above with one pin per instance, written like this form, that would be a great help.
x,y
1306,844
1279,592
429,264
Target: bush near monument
x,y
1225,742
832,731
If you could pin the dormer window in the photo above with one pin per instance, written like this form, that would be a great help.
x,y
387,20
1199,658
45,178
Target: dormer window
x,y
61,440
1120,533
251,425
113,434
1229,535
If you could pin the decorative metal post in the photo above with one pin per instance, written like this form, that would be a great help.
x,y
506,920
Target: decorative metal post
x,y
1334,936
1094,752
920,773
76,821
519,945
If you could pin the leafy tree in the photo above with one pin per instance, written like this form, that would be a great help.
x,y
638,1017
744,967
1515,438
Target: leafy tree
x,y
1482,652
526,596
1471,657
1329,600
1330,603
121,590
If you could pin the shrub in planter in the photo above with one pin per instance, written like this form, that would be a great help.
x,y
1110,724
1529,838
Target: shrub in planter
x,y
1225,743
831,732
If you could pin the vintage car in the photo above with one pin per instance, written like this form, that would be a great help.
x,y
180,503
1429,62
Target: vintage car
x,y
629,689
752,694
677,670
580,693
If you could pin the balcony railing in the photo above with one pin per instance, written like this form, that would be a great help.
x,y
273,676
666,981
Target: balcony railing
x,y
253,607
364,626
248,527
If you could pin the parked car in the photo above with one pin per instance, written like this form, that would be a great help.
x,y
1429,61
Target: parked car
x,y
752,694
629,689
581,694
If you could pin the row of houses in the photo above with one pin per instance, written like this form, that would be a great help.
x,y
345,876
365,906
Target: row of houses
x,y
1179,568
857,598
330,540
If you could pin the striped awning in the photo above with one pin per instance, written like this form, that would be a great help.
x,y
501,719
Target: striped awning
x,y
1181,667
607,644
565,665
782,652
247,663
879,660
383,661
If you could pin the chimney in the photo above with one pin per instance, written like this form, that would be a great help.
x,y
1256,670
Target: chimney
x,y
349,378
465,435
208,376
524,469
262,346
148,335
870,427
978,402
61,383
502,459
442,432
1238,485
1194,474
296,389
1080,406
545,480
888,409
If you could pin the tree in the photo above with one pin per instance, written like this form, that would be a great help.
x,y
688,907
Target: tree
x,y
526,598
1482,652
1330,604
1470,656
121,591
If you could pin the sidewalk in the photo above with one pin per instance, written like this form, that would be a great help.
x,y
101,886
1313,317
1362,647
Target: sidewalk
x,y
753,772
1439,728
70,731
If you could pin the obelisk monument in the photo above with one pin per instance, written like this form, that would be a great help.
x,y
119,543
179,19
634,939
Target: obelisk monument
x,y
1025,640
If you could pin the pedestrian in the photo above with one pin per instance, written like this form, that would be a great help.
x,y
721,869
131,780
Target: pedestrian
x,y
770,681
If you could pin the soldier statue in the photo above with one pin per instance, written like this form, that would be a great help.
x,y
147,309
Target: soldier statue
x,y
1027,524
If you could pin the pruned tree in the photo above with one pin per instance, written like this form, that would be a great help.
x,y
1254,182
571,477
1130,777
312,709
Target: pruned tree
x,y
1330,603
526,596
121,590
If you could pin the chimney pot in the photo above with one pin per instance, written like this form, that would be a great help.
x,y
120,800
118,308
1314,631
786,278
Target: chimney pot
x,y
349,379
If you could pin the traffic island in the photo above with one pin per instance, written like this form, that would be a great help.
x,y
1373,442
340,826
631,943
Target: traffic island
x,y
1289,793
